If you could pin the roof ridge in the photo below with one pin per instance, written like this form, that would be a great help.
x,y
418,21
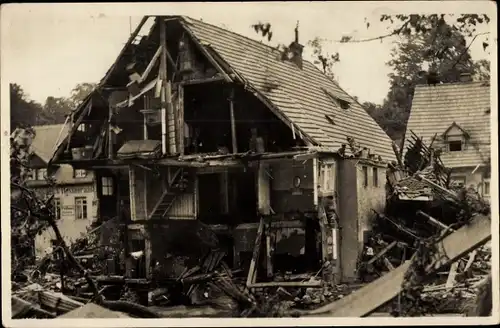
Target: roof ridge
x,y
228,30
419,86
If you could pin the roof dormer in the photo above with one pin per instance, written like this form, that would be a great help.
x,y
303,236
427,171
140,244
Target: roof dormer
x,y
455,138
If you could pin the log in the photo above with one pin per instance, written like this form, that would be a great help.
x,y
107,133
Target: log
x,y
367,299
316,283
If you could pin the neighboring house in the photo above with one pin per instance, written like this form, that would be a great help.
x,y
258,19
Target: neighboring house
x,y
194,123
457,116
74,191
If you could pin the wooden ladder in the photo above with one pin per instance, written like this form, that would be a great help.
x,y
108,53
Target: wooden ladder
x,y
168,197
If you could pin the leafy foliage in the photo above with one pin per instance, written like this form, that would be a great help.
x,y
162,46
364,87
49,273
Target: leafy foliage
x,y
430,51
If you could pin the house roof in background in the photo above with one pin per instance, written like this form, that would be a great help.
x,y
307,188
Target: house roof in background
x,y
467,104
44,143
300,94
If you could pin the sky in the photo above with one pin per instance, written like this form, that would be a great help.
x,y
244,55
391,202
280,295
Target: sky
x,y
49,48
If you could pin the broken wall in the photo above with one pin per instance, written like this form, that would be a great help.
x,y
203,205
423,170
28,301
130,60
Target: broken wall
x,y
348,218
146,189
476,180
371,196
287,197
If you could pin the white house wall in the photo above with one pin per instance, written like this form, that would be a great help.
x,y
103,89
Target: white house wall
x,y
70,227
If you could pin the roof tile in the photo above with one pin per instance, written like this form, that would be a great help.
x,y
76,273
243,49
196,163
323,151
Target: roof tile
x,y
299,96
436,108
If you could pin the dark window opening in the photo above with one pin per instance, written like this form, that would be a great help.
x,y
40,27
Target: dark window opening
x,y
455,145
375,177
365,176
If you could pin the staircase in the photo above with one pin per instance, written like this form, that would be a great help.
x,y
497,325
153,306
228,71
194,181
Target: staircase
x,y
175,186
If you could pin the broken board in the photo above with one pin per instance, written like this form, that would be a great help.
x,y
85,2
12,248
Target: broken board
x,y
370,297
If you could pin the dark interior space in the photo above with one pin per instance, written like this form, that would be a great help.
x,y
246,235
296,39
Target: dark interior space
x,y
210,209
243,197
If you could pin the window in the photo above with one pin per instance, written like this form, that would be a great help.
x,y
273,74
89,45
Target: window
x,y
365,176
107,186
486,188
327,176
375,177
455,145
41,174
82,127
31,174
57,208
80,208
79,173
458,181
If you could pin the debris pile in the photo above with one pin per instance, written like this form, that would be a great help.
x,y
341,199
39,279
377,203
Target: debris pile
x,y
423,207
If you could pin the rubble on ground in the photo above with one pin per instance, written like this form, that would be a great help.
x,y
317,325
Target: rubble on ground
x,y
422,208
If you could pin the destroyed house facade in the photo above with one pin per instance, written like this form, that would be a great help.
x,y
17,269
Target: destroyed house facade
x,y
73,190
454,120
196,132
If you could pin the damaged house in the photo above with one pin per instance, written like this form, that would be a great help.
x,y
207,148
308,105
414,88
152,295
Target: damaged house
x,y
73,190
196,132
454,119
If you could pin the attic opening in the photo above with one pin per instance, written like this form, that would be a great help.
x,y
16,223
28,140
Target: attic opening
x,y
338,100
207,115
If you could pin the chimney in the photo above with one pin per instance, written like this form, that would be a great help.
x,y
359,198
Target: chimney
x,y
296,49
465,77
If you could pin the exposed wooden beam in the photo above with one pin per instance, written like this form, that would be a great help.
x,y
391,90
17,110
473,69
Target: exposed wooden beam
x,y
233,123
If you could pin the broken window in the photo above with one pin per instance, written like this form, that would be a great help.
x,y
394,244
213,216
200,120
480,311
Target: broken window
x,y
375,177
458,181
365,176
80,173
107,186
80,208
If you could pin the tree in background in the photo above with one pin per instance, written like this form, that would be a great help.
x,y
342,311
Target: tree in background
x,y
441,54
23,111
26,112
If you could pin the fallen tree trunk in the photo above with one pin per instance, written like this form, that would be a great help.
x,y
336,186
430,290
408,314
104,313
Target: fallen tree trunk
x,y
367,299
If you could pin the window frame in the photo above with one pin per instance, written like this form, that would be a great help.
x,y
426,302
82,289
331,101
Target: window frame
x,y
364,169
43,172
107,186
486,182
375,176
75,175
81,205
57,207
459,177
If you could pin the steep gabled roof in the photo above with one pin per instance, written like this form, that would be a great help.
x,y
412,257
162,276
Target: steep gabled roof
x,y
305,97
44,143
300,94
467,104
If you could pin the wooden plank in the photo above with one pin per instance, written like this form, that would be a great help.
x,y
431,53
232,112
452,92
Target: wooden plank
x,y
255,256
452,275
382,252
472,257
163,80
388,264
180,117
269,257
233,123
316,283
370,297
